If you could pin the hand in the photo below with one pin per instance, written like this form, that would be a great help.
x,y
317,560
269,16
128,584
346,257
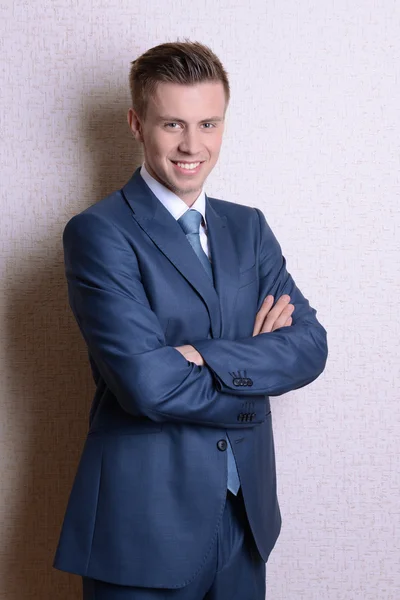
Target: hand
x,y
268,319
190,354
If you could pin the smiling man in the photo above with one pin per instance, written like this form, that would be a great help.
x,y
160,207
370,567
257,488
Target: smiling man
x,y
191,321
181,130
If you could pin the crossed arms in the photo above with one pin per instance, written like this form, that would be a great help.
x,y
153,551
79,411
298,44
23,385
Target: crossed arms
x,y
268,319
149,378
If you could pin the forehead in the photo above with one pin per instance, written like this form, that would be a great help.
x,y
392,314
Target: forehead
x,y
200,100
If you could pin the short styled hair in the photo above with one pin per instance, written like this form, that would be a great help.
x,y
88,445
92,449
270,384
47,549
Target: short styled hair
x,y
173,62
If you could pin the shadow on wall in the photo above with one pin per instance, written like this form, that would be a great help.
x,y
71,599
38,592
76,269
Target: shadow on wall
x,y
49,373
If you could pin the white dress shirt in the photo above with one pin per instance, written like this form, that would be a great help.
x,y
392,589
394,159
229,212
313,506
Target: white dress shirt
x,y
176,206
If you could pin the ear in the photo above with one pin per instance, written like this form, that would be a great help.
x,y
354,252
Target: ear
x,y
135,125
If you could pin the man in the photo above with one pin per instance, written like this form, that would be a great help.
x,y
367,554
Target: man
x,y
191,322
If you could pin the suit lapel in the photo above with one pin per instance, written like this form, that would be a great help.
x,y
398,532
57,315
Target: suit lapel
x,y
225,261
167,234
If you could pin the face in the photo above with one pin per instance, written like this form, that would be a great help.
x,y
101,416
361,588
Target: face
x,y
182,134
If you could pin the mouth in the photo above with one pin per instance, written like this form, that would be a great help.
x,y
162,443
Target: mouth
x,y
187,168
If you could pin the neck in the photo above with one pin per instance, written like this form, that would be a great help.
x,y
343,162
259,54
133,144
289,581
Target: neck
x,y
189,197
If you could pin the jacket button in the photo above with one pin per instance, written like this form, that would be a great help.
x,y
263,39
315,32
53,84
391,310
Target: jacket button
x,y
236,381
222,445
249,382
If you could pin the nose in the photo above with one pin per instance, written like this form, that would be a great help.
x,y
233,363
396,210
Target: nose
x,y
190,142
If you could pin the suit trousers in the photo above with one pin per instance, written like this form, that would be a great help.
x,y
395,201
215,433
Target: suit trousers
x,y
234,569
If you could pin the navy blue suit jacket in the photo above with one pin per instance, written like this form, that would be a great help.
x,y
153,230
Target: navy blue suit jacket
x,y
150,487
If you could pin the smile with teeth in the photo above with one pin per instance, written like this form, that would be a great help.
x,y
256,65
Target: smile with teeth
x,y
188,166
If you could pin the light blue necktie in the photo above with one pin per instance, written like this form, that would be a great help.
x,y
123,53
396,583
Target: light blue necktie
x,y
190,223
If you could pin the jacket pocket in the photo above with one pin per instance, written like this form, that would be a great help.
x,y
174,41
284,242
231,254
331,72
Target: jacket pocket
x,y
247,276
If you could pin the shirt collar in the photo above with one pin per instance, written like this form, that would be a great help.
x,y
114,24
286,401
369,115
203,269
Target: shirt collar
x,y
176,206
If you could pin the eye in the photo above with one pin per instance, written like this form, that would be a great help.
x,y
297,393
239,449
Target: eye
x,y
211,125
172,125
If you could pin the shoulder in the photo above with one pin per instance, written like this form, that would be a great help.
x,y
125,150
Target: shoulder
x,y
244,218
109,211
110,207
240,215
232,209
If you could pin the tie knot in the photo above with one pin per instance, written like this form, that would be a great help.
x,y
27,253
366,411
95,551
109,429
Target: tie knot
x,y
190,221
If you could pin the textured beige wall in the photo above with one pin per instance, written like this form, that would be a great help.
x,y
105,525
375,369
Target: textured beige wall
x,y
313,140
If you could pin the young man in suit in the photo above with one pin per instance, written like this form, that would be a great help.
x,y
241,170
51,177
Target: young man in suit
x,y
191,322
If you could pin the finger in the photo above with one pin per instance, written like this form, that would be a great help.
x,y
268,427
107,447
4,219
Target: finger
x,y
275,320
283,317
262,313
274,313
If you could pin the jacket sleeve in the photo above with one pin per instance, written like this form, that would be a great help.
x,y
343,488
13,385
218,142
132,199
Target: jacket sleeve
x,y
125,338
277,362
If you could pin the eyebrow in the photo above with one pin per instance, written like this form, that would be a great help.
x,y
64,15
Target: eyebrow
x,y
167,118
